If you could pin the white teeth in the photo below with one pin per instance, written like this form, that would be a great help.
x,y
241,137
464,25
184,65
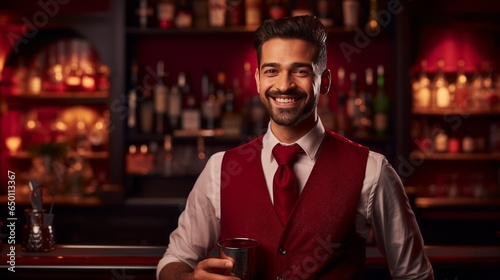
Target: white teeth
x,y
285,100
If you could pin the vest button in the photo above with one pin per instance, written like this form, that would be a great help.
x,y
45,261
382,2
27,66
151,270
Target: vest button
x,y
282,251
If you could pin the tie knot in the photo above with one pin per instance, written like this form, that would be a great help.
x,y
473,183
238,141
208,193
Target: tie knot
x,y
285,155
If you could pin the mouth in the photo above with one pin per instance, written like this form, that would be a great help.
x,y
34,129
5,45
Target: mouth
x,y
285,100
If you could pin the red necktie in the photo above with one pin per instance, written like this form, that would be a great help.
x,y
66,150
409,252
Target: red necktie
x,y
285,190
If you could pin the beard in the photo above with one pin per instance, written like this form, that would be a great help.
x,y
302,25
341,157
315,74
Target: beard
x,y
288,116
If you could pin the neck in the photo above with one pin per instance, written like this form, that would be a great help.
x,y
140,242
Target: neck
x,y
290,134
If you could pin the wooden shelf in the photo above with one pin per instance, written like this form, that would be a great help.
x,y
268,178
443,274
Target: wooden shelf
x,y
433,202
58,99
456,111
25,155
214,30
217,135
419,155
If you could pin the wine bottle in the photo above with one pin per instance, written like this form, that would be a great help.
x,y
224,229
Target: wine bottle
x,y
191,115
421,90
440,88
160,99
253,15
342,118
381,104
461,93
184,14
166,13
132,101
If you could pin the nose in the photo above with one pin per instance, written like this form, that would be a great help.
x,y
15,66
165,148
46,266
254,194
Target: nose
x,y
285,82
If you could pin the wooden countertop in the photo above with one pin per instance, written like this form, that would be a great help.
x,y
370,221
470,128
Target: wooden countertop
x,y
82,256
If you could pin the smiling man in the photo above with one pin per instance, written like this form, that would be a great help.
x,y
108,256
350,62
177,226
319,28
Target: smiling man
x,y
308,196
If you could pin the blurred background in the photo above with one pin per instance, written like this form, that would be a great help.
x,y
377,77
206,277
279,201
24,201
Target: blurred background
x,y
116,106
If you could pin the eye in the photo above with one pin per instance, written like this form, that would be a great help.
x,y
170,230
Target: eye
x,y
270,72
302,72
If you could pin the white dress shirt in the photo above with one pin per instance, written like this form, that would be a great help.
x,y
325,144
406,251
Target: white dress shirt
x,y
383,208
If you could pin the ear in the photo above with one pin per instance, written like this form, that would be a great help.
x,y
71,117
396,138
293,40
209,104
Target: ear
x,y
257,79
326,81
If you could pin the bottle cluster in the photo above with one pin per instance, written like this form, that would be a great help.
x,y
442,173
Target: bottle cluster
x,y
469,92
65,65
221,13
221,106
362,107
434,136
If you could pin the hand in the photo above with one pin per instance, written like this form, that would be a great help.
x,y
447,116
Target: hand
x,y
212,268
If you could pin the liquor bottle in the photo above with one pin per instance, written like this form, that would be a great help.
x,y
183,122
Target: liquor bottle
x,y
277,9
174,106
381,104
144,12
217,13
131,160
342,118
56,70
440,139
88,68
220,91
351,13
72,69
461,93
35,75
184,14
191,115
160,98
468,145
207,102
166,13
421,89
200,11
440,88
167,165
351,101
373,24
231,121
301,9
253,15
324,11
103,73
235,11
476,90
364,106
132,101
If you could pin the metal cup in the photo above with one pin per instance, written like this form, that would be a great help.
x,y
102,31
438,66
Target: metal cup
x,y
242,252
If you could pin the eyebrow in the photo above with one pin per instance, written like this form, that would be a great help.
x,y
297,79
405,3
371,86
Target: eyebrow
x,y
294,65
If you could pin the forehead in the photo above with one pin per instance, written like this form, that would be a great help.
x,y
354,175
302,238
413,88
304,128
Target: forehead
x,y
286,50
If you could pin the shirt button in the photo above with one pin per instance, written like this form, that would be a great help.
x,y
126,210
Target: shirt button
x,y
282,251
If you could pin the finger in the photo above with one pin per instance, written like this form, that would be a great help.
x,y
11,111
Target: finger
x,y
215,263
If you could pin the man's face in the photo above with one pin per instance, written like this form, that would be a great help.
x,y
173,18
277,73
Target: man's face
x,y
286,81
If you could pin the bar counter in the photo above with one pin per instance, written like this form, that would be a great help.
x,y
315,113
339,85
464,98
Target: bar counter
x,y
139,262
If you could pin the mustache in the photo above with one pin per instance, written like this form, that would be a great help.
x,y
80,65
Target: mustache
x,y
278,93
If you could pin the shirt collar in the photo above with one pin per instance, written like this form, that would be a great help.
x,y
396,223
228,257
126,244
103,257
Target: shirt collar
x,y
310,142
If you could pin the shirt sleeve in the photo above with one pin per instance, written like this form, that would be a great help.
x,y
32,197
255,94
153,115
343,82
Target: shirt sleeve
x,y
199,224
395,228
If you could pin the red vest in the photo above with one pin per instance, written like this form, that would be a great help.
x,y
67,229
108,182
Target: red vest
x,y
319,240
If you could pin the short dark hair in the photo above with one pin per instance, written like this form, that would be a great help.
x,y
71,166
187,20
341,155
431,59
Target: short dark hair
x,y
307,28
